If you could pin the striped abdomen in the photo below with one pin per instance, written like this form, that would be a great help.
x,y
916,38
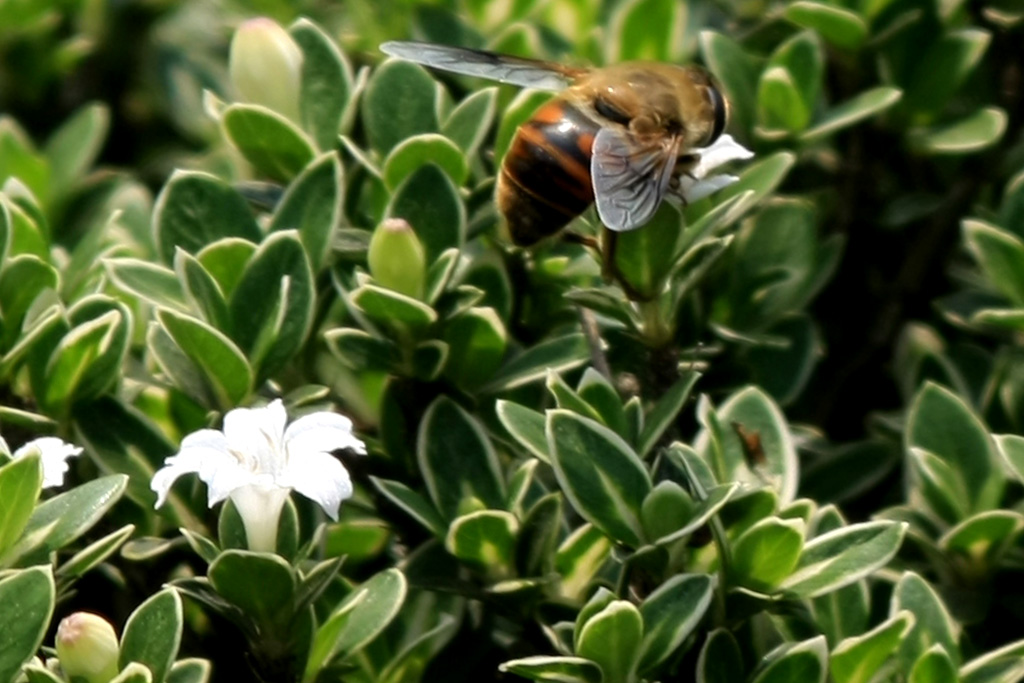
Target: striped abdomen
x,y
545,178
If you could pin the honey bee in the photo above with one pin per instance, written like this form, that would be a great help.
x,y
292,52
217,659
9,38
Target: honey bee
x,y
619,136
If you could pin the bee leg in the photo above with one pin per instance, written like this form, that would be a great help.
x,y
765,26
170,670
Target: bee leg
x,y
609,269
576,238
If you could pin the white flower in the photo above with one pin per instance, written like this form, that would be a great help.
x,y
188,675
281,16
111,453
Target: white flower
x,y
256,462
721,151
54,454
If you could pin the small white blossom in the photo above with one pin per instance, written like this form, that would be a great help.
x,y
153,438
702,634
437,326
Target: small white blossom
x,y
54,454
256,461
721,151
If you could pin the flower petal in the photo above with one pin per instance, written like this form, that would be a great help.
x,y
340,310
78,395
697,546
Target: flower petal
x,y
206,453
260,510
54,453
321,478
695,190
721,151
256,434
321,432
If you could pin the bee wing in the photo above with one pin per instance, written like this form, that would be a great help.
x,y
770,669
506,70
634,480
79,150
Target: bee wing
x,y
630,177
526,73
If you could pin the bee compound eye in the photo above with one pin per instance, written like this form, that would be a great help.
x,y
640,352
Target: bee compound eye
x,y
720,113
608,110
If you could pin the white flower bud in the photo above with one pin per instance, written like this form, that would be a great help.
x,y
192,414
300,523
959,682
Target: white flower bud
x,y
266,66
87,647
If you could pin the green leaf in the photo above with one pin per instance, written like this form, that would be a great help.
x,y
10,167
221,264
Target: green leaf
x,y
601,476
934,666
28,597
665,510
670,614
261,584
665,412
941,68
751,412
152,634
554,669
223,366
844,612
557,355
226,261
20,162
647,30
95,553
805,662
152,282
715,498
538,535
780,106
78,361
36,673
840,557
568,399
839,26
457,460
24,279
720,659
202,290
20,483
136,448
133,673
429,201
939,486
933,622
857,659
762,177
1011,448
195,210
360,618
272,306
1004,665
784,371
984,537
399,103
312,206
189,670
411,154
469,122
72,149
391,308
598,392
645,258
274,145
1000,255
941,422
601,598
476,341
527,427
853,110
579,558
738,73
62,519
767,552
797,67
326,83
612,639
975,132
486,538
361,350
